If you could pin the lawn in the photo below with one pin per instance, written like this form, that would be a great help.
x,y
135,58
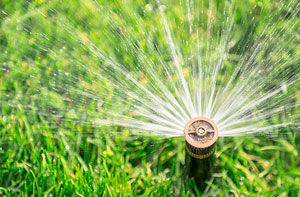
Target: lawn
x,y
51,90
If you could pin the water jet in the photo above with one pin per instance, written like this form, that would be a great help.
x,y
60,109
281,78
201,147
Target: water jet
x,y
201,134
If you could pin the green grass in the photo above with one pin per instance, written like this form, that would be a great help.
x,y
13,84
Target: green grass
x,y
46,146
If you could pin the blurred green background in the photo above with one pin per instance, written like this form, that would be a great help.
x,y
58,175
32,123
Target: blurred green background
x,y
48,146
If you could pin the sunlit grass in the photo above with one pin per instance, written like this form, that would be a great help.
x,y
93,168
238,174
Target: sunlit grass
x,y
43,152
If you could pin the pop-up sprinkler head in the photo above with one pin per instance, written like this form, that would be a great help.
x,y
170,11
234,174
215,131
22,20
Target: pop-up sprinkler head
x,y
201,135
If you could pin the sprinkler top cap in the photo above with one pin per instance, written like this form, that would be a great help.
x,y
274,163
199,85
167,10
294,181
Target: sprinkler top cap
x,y
201,132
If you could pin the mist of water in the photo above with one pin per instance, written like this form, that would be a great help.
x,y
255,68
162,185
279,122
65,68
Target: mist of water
x,y
171,63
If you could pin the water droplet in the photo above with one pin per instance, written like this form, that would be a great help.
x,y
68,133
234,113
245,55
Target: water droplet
x,y
162,7
149,7
284,88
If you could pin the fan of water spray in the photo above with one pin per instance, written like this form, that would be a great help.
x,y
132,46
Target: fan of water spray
x,y
204,71
194,58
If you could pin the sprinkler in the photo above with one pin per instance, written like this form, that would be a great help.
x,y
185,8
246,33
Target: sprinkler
x,y
200,135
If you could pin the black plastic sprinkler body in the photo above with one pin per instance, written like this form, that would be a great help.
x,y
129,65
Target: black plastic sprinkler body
x,y
200,135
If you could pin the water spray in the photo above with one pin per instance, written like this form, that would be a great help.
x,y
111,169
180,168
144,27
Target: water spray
x,y
201,134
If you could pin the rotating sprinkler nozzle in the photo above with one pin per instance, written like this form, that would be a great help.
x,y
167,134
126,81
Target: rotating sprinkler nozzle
x,y
201,135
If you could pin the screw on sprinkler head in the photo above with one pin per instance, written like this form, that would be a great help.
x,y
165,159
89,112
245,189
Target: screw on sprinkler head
x,y
201,133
